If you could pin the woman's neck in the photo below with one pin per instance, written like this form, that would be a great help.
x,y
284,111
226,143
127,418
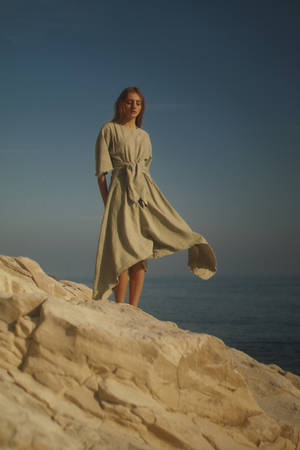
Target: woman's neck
x,y
130,123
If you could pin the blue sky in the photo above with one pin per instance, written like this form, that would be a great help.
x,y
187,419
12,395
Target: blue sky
x,y
221,81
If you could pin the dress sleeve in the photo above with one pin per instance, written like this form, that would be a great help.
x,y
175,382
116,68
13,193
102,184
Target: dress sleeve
x,y
102,156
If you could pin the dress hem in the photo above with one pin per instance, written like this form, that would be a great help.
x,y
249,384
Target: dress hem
x,y
203,272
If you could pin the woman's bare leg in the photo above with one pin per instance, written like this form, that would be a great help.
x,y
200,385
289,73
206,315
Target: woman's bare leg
x,y
136,277
120,289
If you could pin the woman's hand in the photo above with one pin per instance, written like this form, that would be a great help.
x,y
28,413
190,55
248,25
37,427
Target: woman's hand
x,y
103,187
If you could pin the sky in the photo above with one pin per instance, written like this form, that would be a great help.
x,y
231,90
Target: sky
x,y
222,88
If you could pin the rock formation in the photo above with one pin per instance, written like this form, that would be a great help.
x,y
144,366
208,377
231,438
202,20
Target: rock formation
x,y
82,374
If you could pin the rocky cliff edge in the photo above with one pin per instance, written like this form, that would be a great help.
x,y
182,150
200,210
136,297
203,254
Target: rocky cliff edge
x,y
82,374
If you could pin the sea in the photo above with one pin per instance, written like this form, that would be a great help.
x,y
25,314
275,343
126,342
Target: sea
x,y
258,315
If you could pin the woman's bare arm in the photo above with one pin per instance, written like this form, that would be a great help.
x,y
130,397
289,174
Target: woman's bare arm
x,y
103,188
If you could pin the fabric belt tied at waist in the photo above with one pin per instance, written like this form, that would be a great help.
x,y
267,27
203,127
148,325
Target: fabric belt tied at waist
x,y
135,180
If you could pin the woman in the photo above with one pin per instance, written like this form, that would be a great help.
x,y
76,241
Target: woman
x,y
138,221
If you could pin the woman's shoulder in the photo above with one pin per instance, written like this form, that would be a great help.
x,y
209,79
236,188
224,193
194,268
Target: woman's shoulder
x,y
146,134
144,131
106,126
105,130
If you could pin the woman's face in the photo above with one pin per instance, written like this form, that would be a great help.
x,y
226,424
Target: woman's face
x,y
133,105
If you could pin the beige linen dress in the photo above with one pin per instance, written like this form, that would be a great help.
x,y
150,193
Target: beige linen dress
x,y
138,222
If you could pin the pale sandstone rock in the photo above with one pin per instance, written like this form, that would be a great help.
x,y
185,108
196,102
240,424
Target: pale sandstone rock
x,y
21,274
10,355
24,326
275,390
36,418
17,305
84,374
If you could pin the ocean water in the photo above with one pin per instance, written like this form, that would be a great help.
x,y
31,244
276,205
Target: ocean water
x,y
258,315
